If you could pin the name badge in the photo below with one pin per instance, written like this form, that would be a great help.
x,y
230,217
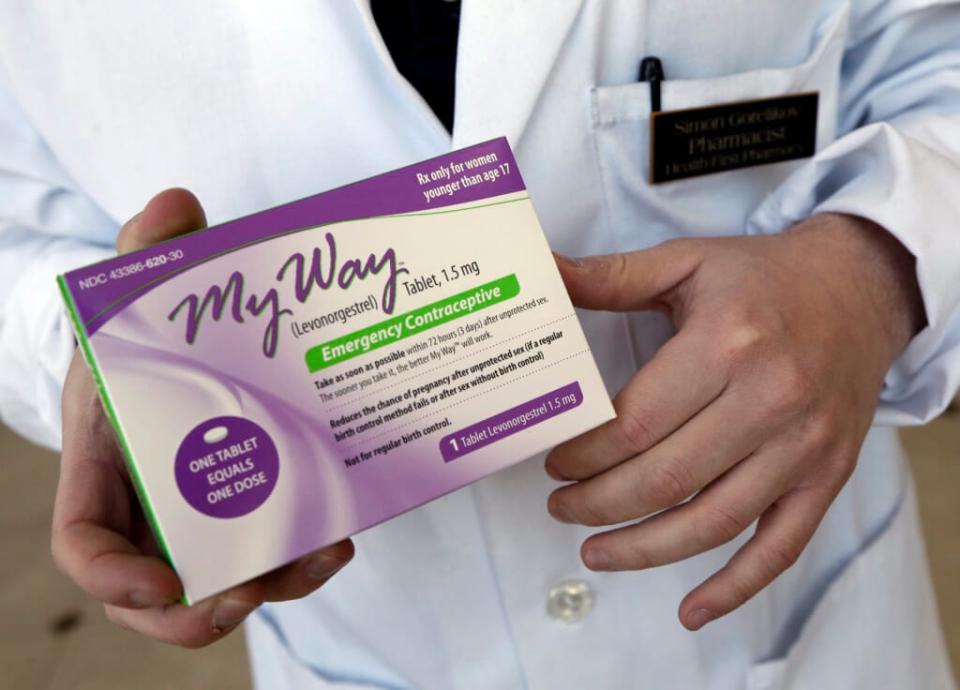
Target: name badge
x,y
702,141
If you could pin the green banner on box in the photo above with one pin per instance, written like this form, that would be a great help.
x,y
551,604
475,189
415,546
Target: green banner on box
x,y
411,323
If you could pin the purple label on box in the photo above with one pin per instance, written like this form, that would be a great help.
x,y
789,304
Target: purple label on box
x,y
500,426
103,289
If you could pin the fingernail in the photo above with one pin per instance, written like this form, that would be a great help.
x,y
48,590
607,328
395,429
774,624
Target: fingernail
x,y
229,613
700,617
597,559
322,567
563,514
148,600
569,260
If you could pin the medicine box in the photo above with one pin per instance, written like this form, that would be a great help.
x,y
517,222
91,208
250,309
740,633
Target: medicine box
x,y
282,381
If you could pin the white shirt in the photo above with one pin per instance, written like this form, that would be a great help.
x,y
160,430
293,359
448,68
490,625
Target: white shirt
x,y
251,104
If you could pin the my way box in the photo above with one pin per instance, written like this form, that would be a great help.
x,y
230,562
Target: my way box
x,y
282,381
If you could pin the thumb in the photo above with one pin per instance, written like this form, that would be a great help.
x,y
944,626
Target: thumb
x,y
631,281
170,213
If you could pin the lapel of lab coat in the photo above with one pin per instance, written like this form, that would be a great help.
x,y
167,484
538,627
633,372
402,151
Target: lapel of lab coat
x,y
506,52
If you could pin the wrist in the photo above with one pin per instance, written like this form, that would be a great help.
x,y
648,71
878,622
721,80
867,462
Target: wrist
x,y
864,262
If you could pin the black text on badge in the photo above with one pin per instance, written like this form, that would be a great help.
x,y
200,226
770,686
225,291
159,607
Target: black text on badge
x,y
701,141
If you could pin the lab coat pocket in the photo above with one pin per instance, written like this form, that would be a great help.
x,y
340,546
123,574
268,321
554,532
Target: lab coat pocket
x,y
718,203
874,626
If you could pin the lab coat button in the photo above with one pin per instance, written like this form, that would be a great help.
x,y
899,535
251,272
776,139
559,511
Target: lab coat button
x,y
570,601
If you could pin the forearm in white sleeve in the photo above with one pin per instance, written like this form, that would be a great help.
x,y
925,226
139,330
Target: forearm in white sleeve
x,y
897,163
36,339
46,227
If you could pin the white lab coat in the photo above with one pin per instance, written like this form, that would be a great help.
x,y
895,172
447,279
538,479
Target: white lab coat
x,y
251,104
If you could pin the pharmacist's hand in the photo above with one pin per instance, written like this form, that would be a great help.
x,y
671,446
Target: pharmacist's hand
x,y
757,407
101,539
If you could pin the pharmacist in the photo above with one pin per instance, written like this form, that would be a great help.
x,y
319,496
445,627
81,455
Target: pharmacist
x,y
778,288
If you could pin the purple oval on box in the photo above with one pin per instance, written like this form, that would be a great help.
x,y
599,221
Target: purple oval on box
x,y
227,467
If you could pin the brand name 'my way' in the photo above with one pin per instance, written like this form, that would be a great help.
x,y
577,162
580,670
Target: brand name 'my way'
x,y
323,271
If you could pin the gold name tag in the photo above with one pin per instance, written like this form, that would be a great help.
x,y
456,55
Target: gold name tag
x,y
702,141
